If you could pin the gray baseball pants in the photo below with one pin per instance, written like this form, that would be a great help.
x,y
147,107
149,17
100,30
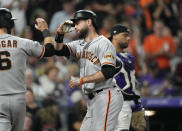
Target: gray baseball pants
x,y
103,111
12,112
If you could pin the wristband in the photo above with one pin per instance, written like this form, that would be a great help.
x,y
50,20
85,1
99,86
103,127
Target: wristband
x,y
81,80
46,33
59,38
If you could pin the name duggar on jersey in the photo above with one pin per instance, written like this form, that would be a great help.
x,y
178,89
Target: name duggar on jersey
x,y
8,44
89,56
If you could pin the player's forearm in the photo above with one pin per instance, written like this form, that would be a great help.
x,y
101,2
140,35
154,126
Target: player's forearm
x,y
107,71
59,41
94,78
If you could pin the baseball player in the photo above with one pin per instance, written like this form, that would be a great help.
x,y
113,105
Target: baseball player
x,y
125,80
97,57
14,52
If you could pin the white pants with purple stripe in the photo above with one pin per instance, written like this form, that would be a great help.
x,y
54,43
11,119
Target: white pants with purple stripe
x,y
103,111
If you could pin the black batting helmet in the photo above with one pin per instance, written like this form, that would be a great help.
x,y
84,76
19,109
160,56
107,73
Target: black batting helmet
x,y
85,14
6,19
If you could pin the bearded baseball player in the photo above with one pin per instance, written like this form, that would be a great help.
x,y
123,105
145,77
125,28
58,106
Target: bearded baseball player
x,y
97,59
125,80
14,52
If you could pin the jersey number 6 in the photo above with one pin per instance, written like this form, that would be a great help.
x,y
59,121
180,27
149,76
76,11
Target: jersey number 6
x,y
5,63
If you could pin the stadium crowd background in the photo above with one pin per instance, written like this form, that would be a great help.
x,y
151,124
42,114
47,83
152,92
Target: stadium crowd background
x,y
156,32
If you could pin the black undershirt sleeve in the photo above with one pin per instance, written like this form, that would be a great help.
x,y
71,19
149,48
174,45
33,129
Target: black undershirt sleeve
x,y
63,52
108,71
49,50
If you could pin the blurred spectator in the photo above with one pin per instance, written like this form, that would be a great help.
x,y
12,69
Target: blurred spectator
x,y
27,33
31,106
163,9
135,48
145,90
178,54
159,48
73,70
18,8
178,75
29,80
120,15
179,11
102,8
62,63
167,89
19,13
33,64
151,80
7,4
47,118
37,12
31,6
76,115
145,3
27,122
48,81
106,26
60,16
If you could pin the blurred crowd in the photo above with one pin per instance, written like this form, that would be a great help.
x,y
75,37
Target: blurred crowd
x,y
156,43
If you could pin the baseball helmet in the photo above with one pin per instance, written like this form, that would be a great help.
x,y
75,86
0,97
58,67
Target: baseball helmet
x,y
85,14
6,19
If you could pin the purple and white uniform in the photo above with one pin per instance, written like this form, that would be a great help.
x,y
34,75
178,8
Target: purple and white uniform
x,y
125,80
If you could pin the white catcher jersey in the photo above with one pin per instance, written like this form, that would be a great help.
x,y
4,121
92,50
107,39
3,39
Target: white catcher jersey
x,y
14,52
92,56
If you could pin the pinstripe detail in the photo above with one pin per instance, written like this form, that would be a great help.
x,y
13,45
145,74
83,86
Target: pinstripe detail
x,y
108,104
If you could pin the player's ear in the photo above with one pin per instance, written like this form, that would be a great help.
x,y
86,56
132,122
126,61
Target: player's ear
x,y
89,22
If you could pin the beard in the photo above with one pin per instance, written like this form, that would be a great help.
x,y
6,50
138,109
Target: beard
x,y
83,33
123,45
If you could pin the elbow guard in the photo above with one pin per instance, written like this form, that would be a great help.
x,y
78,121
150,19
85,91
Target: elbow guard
x,y
63,52
108,71
49,50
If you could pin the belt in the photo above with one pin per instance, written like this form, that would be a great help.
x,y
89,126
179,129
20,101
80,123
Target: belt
x,y
91,95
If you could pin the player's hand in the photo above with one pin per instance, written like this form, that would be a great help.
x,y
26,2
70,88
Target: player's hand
x,y
75,81
41,24
138,121
65,27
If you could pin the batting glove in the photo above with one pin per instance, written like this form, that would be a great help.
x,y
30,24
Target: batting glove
x,y
65,27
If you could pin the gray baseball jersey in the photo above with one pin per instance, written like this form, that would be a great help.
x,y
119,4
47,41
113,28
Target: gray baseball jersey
x,y
92,56
14,52
104,107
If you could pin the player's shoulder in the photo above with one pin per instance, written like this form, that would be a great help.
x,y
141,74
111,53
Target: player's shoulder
x,y
20,38
104,39
104,42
